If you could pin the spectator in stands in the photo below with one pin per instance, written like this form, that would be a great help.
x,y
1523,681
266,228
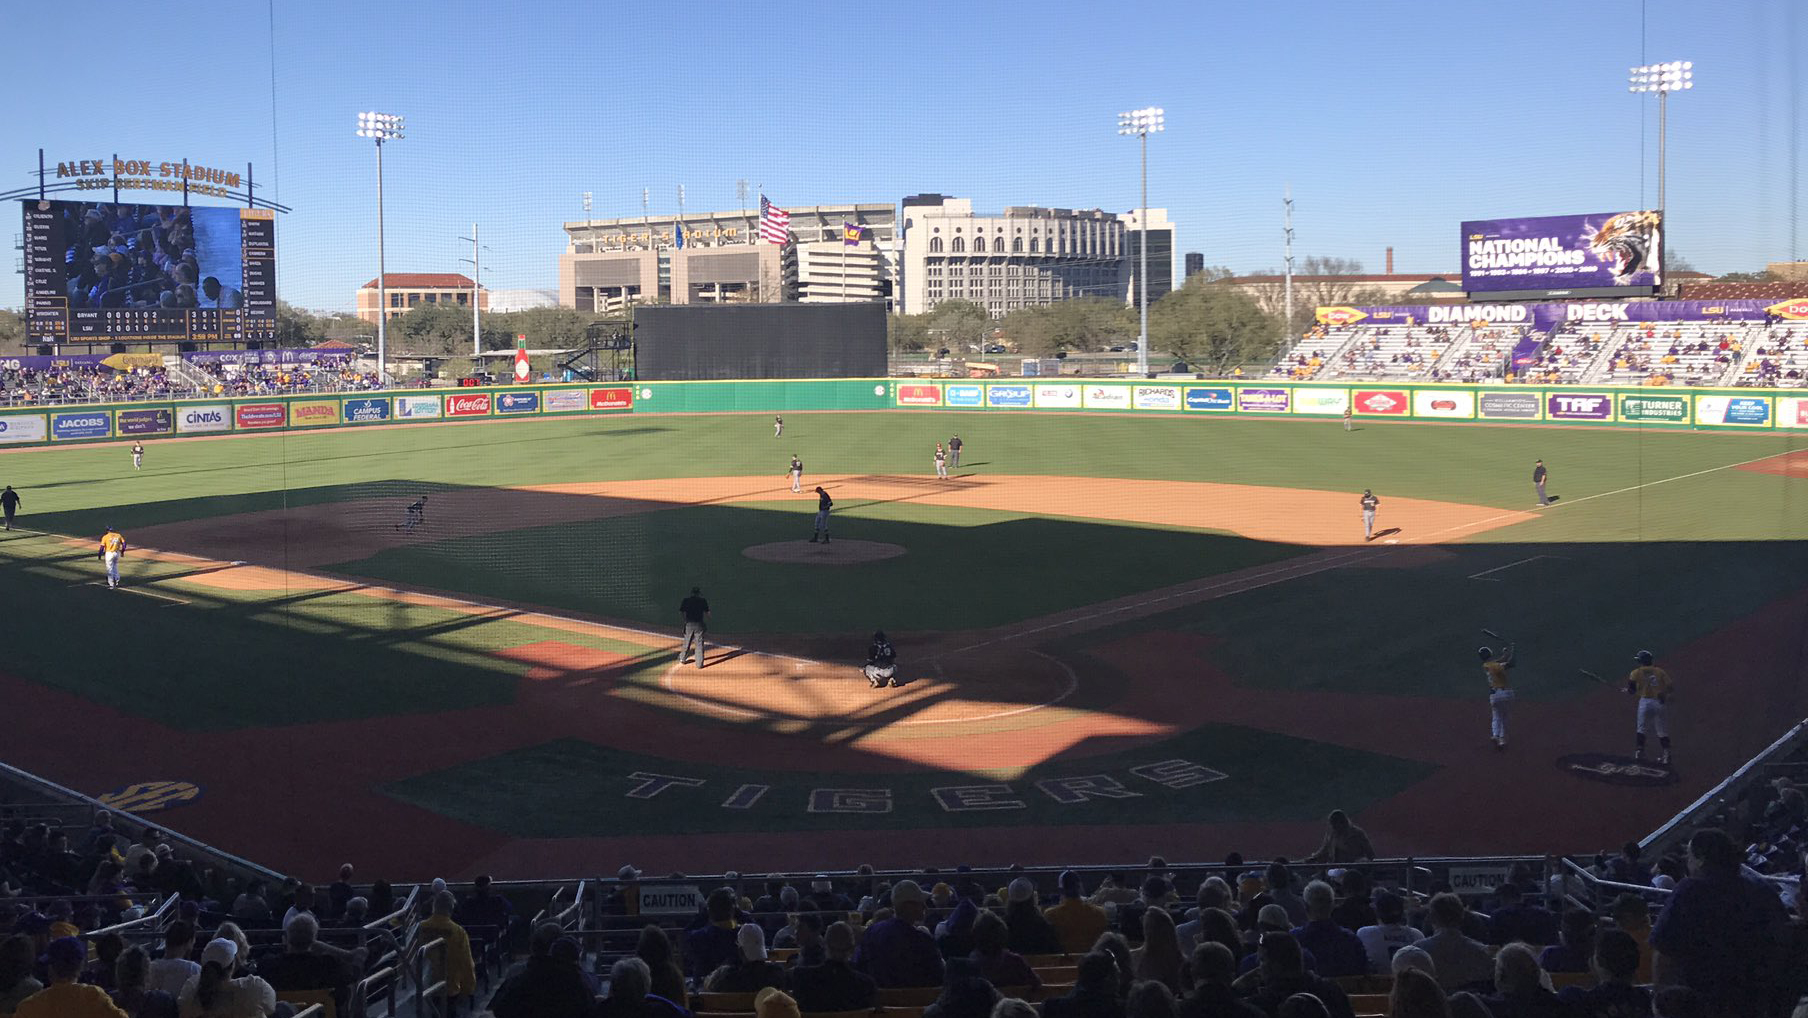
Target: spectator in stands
x,y
1149,999
341,890
1272,918
1213,969
1280,892
1114,944
1344,842
1159,958
965,993
301,901
1632,916
996,961
65,997
1614,994
1720,932
1519,987
18,956
1390,932
301,968
1094,993
1338,952
710,946
487,913
132,993
1575,945
1513,919
1213,893
146,845
1281,973
751,971
543,987
898,951
174,969
833,985
219,991
807,938
101,971
1115,889
1412,958
454,963
253,905
954,935
823,896
1031,932
1218,926
1417,995
630,986
1461,962
1355,907
655,948
1076,921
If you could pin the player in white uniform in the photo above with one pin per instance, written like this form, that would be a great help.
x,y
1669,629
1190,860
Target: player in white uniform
x,y
778,425
1653,688
941,461
415,515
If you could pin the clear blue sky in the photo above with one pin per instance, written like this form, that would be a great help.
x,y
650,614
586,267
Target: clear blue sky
x,y
1392,121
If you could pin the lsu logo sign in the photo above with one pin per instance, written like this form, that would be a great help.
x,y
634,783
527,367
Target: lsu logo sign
x,y
1341,315
1795,310
475,405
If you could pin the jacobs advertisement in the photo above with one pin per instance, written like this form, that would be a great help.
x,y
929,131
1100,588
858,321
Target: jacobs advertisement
x,y
1606,251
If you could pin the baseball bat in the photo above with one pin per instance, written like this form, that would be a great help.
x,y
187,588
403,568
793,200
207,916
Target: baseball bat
x,y
1492,635
1593,676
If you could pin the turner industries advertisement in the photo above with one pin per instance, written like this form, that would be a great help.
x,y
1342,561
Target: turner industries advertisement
x,y
1603,254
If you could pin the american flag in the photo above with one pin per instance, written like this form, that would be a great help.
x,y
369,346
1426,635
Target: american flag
x,y
775,223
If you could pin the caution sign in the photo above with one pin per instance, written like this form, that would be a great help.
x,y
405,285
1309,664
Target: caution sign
x,y
151,796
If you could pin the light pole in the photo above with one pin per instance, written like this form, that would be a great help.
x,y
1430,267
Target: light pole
x,y
1675,76
476,261
1142,123
381,127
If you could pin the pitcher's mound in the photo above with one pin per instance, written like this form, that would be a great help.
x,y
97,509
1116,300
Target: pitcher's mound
x,y
836,553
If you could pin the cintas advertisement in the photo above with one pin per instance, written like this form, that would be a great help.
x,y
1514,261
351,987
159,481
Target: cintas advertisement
x,y
1602,252
197,420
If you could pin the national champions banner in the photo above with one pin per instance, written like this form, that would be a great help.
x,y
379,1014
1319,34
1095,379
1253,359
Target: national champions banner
x,y
1605,250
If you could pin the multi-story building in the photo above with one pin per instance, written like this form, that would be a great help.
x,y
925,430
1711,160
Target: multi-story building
x,y
717,257
408,290
1022,257
1161,254
1195,264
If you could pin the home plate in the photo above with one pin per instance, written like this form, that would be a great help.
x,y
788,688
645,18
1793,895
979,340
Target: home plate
x,y
238,563
1392,540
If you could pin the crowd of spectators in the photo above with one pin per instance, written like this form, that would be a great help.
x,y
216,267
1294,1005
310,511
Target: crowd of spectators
x,y
1779,358
273,379
85,383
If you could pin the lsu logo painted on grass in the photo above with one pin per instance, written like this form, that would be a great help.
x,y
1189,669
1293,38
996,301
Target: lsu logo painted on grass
x,y
150,796
1615,770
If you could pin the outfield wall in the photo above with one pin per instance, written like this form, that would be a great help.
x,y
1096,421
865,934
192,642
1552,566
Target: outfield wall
x,y
1730,409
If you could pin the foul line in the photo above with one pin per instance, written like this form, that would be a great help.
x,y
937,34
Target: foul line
x,y
141,592
1484,573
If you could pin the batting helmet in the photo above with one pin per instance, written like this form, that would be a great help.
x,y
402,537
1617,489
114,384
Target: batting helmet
x,y
1483,653
1642,657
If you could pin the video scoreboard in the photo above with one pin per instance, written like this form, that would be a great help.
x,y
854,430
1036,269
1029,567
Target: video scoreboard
x,y
103,272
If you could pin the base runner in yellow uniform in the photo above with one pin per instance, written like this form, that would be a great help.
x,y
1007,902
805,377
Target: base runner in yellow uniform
x,y
1653,688
1500,691
112,546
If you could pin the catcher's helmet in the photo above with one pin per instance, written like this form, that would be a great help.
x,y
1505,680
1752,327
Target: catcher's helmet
x,y
1642,657
1483,653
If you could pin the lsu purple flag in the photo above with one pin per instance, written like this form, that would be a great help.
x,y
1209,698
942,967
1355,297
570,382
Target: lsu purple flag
x,y
852,235
1607,251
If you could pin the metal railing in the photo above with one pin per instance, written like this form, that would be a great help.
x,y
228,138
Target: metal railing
x,y
151,920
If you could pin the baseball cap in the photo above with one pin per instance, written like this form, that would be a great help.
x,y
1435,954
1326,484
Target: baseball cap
x,y
773,1002
1022,890
627,873
752,942
1274,917
66,952
1070,884
906,890
221,952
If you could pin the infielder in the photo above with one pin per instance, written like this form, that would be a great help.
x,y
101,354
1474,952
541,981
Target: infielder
x,y
797,475
695,611
778,425
415,515
137,455
1539,476
823,504
9,505
1653,687
1369,503
941,461
1500,691
112,546
881,662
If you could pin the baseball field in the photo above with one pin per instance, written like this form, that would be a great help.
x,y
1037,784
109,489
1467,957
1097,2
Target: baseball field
x,y
1122,635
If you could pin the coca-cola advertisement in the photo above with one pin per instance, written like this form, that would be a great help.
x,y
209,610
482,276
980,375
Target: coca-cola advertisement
x,y
476,404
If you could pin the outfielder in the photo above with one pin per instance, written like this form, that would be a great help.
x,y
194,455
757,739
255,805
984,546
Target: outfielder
x,y
1500,691
1347,413
112,546
881,662
797,475
778,425
415,515
1369,504
1653,688
137,455
823,504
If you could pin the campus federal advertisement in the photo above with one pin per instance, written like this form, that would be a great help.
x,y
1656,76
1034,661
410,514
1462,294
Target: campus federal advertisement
x,y
1600,253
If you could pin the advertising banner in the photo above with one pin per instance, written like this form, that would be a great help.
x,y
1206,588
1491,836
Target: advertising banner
x,y
1578,406
1792,412
1443,403
1794,310
369,410
1009,396
260,415
1107,397
314,413
1523,406
416,408
1212,398
963,395
611,399
22,428
193,420
1380,403
1328,402
1425,314
518,403
1155,397
564,401
1600,251
476,404
87,424
1263,401
1059,397
919,394
147,422
1654,409
1744,411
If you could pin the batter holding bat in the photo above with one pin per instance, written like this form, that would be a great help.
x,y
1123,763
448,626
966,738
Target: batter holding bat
x,y
1653,688
1500,690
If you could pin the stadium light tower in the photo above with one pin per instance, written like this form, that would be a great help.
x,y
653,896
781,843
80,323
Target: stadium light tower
x,y
381,127
1142,123
1675,76
476,261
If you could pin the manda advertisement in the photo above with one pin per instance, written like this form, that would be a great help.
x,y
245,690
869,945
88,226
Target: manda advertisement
x,y
1606,250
